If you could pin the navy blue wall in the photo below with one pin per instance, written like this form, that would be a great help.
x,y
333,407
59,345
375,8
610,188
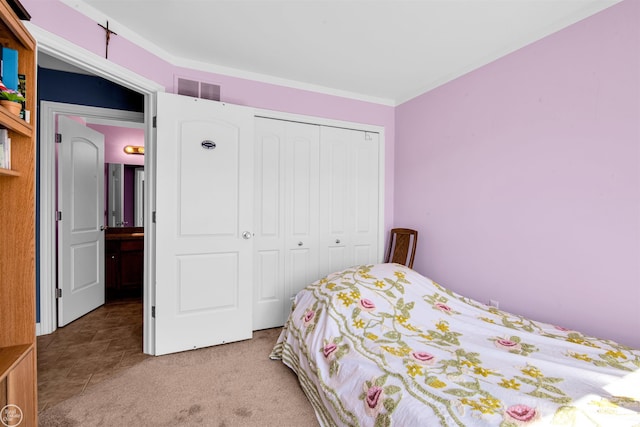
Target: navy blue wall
x,y
80,89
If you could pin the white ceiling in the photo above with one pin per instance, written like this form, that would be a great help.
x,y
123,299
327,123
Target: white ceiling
x,y
386,51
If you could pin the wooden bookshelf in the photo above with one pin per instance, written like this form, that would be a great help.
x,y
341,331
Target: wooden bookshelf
x,y
15,123
9,172
17,234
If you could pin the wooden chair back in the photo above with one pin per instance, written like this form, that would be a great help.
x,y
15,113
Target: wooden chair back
x,y
402,246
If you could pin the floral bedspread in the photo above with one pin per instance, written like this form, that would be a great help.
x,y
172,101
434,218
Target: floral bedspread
x,y
382,345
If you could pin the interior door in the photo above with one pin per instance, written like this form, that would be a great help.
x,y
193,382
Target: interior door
x,y
349,198
204,219
286,216
301,207
81,220
269,206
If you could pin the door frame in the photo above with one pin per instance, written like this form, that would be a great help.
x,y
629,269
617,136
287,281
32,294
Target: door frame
x,y
48,245
68,52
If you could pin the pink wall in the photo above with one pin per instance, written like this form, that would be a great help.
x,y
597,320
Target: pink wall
x,y
523,178
115,139
65,22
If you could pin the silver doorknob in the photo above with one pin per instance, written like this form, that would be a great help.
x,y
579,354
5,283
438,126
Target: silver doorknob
x,y
300,243
337,241
246,235
103,227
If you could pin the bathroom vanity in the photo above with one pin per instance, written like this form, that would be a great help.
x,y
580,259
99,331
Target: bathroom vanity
x,y
124,251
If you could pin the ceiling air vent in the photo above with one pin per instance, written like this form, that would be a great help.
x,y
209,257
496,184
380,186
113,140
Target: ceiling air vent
x,y
198,89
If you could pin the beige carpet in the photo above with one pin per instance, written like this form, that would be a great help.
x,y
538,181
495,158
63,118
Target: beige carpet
x,y
223,386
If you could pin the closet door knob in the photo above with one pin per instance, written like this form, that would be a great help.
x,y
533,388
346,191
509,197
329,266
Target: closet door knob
x,y
300,243
246,235
337,241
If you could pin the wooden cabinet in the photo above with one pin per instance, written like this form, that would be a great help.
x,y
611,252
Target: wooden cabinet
x,y
124,264
18,390
17,236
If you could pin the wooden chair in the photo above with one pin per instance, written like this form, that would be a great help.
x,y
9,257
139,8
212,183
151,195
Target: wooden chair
x,y
402,246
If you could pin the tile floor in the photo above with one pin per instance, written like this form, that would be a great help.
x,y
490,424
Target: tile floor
x,y
89,350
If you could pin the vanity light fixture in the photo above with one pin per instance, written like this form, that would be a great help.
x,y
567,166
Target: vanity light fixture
x,y
134,149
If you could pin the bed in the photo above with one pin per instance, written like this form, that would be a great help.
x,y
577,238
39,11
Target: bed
x,y
380,345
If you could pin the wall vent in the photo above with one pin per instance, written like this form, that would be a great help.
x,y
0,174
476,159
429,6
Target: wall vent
x,y
198,89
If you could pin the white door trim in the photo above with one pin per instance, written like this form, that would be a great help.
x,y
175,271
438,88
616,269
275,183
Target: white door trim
x,y
64,50
48,112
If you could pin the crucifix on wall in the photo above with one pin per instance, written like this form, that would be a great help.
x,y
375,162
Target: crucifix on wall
x,y
108,33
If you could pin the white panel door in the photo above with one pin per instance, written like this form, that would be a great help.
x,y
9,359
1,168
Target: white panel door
x,y
286,222
301,207
269,275
366,198
302,181
204,222
349,198
81,227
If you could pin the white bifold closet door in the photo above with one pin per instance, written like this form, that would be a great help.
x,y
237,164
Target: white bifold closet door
x,y
286,216
349,198
316,209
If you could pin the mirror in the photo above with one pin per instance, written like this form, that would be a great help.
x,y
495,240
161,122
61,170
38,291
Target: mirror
x,y
138,193
125,195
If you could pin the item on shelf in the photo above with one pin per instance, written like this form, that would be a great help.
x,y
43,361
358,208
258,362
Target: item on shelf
x,y
11,99
10,68
22,88
13,107
5,149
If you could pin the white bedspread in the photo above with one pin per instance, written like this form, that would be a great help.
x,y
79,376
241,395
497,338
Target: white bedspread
x,y
382,345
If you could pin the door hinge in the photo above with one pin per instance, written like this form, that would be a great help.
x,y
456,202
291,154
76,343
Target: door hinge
x,y
58,138
58,293
153,217
155,121
58,215
153,311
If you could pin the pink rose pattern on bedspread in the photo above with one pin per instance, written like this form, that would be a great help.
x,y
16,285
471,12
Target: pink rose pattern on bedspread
x,y
382,345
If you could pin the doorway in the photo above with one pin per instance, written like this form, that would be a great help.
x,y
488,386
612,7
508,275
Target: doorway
x,y
50,112
68,52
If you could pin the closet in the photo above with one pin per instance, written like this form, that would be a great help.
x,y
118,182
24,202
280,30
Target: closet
x,y
316,204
